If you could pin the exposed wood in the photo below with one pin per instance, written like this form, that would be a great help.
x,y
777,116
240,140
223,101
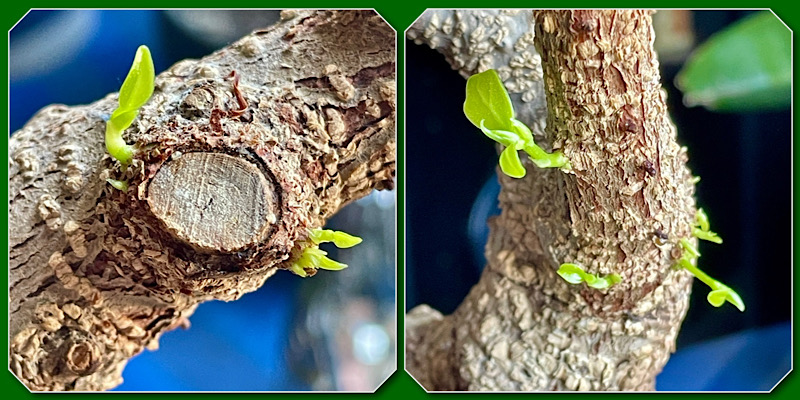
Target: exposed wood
x,y
214,201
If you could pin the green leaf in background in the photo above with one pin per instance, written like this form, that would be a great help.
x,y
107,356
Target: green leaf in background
x,y
746,67
488,101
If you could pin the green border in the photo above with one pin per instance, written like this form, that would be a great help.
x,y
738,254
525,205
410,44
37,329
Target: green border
x,y
400,15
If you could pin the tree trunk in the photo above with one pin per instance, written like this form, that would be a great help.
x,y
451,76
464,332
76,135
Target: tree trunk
x,y
522,327
240,155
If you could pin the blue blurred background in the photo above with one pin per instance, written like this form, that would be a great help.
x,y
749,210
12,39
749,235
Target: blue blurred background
x,y
744,160
335,331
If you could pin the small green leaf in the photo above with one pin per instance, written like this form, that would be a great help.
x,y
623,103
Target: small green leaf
x,y
330,265
489,107
523,132
298,270
746,67
121,121
510,163
345,241
341,239
689,248
505,138
706,235
605,282
318,236
119,185
314,258
136,90
574,274
571,273
487,100
701,228
138,85
719,292
719,296
701,219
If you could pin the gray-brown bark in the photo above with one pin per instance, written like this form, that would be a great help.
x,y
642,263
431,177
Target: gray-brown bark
x,y
240,155
522,327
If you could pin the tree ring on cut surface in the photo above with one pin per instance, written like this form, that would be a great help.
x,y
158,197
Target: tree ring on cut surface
x,y
213,201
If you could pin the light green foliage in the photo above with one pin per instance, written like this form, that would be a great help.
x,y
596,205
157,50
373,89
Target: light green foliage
x,y
315,258
489,108
487,101
119,185
746,67
720,293
574,274
136,90
701,228
340,239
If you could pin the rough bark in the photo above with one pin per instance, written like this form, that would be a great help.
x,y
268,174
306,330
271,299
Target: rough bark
x,y
522,327
240,154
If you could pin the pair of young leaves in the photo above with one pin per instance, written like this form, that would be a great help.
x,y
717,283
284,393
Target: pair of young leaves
x,y
720,293
315,258
489,108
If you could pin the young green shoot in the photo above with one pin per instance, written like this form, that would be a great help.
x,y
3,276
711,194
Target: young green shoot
x,y
574,274
134,93
314,258
117,184
720,293
489,108
701,228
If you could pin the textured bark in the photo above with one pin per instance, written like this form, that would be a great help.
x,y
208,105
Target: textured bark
x,y
522,327
240,155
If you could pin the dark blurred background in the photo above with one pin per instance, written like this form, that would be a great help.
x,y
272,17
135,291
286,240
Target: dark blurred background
x,y
335,331
744,160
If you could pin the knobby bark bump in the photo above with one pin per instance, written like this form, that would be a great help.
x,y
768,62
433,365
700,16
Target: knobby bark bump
x,y
522,327
240,155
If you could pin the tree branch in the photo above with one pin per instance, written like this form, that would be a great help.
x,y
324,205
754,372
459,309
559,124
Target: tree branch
x,y
239,155
522,327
